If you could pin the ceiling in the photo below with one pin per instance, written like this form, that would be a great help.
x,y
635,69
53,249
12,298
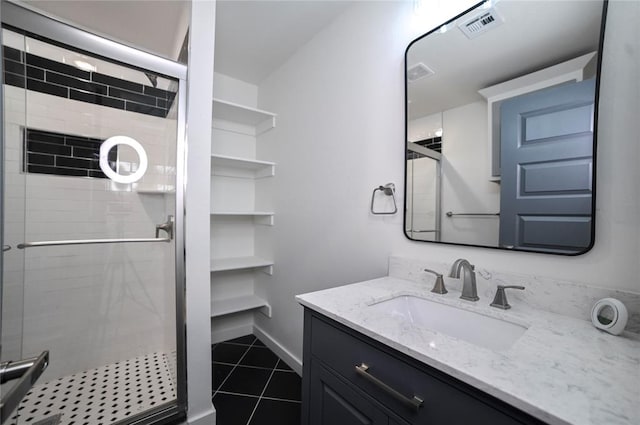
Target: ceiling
x,y
253,38
157,26
534,35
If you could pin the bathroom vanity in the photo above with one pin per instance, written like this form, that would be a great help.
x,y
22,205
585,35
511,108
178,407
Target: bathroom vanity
x,y
355,379
369,359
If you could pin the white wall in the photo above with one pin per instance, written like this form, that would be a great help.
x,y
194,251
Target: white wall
x,y
231,89
421,206
465,183
340,133
337,138
200,410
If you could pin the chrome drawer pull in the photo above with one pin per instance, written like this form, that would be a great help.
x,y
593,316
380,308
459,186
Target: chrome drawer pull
x,y
415,402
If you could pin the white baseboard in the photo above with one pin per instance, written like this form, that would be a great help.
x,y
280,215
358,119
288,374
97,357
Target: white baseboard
x,y
220,335
206,418
291,360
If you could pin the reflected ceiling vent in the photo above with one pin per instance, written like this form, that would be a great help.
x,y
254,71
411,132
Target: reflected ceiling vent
x,y
481,23
418,71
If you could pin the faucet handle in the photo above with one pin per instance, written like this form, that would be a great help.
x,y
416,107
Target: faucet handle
x,y
438,287
500,300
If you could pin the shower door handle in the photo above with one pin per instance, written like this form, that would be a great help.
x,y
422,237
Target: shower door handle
x,y
167,227
27,371
6,248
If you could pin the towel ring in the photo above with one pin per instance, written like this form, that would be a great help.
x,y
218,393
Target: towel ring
x,y
388,189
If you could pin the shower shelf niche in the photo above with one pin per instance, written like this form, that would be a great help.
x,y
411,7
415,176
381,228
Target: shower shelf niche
x,y
155,191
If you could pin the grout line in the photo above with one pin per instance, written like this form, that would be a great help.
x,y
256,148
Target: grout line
x,y
234,367
239,394
249,366
283,400
234,343
262,394
263,391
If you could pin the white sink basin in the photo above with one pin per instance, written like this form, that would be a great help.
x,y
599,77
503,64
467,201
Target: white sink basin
x,y
469,326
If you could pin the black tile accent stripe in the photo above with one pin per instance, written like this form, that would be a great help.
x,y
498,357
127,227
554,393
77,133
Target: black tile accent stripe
x,y
96,99
46,152
434,144
14,80
145,109
58,79
129,95
10,53
52,65
117,82
42,87
14,67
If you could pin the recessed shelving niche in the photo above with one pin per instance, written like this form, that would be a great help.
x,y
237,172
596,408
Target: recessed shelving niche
x,y
234,215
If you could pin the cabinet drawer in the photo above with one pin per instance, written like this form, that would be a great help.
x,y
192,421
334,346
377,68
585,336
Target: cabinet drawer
x,y
451,402
335,403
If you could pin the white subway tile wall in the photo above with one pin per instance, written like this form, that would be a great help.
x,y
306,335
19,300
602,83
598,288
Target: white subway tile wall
x,y
96,304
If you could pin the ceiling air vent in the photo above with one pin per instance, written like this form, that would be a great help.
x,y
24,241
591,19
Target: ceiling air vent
x,y
418,71
481,23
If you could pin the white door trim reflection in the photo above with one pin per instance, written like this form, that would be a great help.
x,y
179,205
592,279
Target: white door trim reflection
x,y
106,146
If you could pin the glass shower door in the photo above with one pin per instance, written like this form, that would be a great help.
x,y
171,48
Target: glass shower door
x,y
92,192
423,174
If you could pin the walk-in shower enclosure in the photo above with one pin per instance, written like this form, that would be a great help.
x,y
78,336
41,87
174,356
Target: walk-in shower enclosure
x,y
92,234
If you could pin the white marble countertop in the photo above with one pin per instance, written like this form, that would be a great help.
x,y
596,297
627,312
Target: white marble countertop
x,y
562,370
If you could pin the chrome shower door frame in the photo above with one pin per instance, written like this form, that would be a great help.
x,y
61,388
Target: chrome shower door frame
x,y
20,16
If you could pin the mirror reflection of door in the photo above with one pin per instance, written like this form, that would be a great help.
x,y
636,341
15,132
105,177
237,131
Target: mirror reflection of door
x,y
546,163
459,76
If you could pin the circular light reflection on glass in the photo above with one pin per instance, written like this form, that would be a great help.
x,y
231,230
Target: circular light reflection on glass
x,y
106,146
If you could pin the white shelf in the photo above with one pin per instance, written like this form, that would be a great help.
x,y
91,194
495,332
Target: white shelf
x,y
243,213
153,189
155,192
241,263
242,167
226,306
260,217
239,114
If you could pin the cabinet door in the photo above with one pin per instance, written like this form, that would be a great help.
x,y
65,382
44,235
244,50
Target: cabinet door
x,y
334,403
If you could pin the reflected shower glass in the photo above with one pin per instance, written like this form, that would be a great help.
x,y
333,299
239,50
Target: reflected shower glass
x,y
422,218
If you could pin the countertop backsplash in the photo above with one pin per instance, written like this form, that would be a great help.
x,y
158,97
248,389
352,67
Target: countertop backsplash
x,y
568,298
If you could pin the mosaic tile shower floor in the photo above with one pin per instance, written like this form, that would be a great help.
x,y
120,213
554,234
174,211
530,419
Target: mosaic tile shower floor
x,y
100,396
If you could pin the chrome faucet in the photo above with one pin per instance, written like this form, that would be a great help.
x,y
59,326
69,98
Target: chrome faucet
x,y
500,300
469,289
438,286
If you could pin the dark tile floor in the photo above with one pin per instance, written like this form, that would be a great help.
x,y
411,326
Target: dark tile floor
x,y
252,386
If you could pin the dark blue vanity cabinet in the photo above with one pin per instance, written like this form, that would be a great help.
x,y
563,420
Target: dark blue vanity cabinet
x,y
350,379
